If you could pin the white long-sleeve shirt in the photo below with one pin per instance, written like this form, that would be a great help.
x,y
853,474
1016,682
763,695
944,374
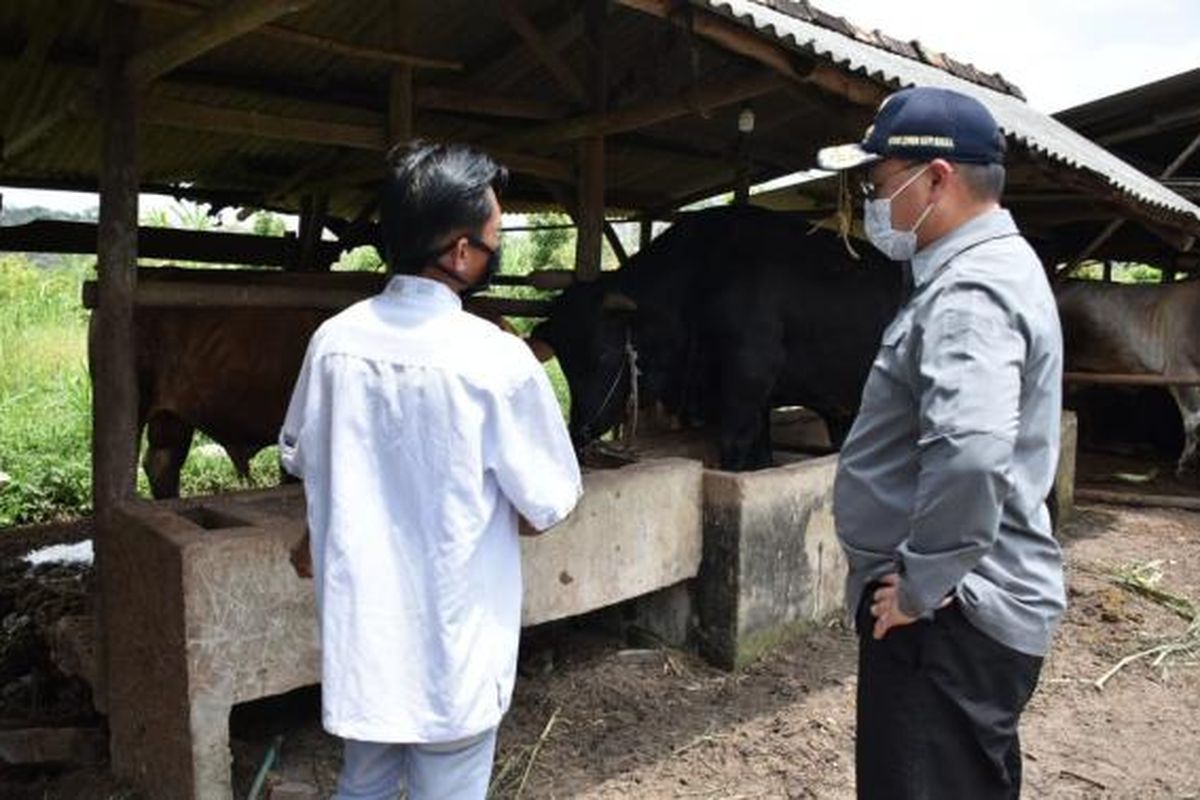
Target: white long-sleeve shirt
x,y
421,432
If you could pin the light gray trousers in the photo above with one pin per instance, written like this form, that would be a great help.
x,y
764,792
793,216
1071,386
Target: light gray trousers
x,y
457,770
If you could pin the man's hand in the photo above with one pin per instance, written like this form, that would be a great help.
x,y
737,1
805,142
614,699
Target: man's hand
x,y
301,557
885,606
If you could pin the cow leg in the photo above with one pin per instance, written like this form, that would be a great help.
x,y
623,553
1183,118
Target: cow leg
x,y
1188,398
241,456
168,440
746,386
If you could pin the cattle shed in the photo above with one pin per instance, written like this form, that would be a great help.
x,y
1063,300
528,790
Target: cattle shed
x,y
1155,127
607,109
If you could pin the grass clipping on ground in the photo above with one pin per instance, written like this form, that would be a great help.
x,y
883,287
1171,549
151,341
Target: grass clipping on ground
x,y
1144,579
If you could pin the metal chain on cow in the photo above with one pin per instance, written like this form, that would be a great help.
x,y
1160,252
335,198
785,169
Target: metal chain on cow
x,y
629,429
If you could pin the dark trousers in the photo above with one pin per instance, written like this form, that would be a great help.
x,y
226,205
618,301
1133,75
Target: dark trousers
x,y
938,707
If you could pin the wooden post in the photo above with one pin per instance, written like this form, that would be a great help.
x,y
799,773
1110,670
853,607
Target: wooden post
x,y
400,94
313,208
114,383
590,202
645,233
114,401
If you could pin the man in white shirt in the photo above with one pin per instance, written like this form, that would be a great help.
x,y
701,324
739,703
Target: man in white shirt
x,y
426,437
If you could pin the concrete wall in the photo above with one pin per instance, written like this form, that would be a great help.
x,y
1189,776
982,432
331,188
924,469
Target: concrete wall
x,y
1062,498
203,609
772,563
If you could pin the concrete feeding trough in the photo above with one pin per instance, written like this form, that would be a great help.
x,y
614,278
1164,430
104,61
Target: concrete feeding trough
x,y
205,610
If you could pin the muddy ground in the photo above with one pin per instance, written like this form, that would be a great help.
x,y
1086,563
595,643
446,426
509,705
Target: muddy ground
x,y
596,716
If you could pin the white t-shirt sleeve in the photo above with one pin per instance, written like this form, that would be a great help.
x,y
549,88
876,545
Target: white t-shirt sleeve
x,y
302,410
529,451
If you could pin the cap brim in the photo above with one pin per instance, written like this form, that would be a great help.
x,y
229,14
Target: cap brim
x,y
844,156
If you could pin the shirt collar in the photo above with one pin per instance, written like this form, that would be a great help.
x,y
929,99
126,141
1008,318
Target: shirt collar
x,y
425,292
987,225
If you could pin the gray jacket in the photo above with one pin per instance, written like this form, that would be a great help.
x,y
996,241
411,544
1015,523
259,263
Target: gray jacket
x,y
945,474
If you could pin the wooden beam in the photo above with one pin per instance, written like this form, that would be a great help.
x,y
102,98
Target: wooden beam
x,y
546,54
589,203
313,41
614,242
1115,225
194,116
210,31
77,102
312,223
1130,379
56,236
185,293
511,68
400,103
694,100
736,38
1137,499
471,101
114,403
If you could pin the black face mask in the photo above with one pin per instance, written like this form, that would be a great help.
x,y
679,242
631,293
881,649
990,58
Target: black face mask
x,y
492,267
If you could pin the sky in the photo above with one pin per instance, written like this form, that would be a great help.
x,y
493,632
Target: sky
x,y
1059,52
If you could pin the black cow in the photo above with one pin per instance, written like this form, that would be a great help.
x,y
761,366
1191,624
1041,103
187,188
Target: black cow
x,y
732,311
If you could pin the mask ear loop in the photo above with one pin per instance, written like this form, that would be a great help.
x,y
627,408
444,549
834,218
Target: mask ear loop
x,y
843,217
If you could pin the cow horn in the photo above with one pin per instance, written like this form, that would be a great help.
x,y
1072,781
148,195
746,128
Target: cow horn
x,y
542,350
616,301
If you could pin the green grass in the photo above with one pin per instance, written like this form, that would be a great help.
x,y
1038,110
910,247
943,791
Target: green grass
x,y
45,396
46,400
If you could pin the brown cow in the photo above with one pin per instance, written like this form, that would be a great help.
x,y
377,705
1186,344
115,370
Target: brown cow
x,y
228,372
1138,328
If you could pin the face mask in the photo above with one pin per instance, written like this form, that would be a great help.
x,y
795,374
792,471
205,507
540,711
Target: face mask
x,y
492,268
877,222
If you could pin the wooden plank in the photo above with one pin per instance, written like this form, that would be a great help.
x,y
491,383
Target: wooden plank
x,y
546,54
210,31
114,404
184,293
1137,499
1130,379
694,100
313,41
55,236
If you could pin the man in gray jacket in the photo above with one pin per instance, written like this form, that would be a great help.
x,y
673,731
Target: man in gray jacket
x,y
955,579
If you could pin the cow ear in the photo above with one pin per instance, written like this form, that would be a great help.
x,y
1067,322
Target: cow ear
x,y
542,350
616,301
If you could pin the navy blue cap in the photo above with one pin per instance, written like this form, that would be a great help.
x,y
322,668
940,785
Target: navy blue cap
x,y
921,124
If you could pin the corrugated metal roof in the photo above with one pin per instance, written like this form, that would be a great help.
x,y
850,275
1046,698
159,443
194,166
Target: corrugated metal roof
x,y
1037,131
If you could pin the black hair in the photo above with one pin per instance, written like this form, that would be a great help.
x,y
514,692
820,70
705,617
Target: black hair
x,y
432,190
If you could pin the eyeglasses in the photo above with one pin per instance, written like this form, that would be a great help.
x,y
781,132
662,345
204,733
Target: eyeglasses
x,y
870,189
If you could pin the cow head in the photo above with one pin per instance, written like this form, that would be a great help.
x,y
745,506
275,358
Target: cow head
x,y
588,329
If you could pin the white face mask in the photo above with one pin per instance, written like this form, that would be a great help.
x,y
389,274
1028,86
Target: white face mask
x,y
877,222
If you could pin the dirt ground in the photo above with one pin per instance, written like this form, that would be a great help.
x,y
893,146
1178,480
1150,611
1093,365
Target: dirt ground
x,y
597,717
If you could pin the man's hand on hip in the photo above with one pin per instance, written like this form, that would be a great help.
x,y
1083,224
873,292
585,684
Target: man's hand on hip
x,y
885,606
